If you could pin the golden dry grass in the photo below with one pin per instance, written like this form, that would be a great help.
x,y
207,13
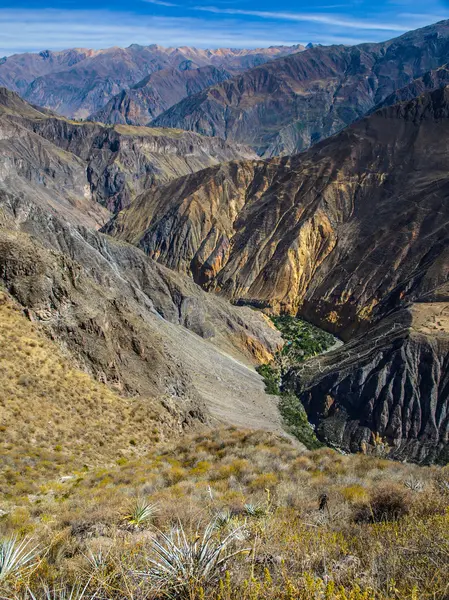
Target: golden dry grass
x,y
76,456
384,533
54,417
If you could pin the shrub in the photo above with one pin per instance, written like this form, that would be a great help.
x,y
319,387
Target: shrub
x,y
386,504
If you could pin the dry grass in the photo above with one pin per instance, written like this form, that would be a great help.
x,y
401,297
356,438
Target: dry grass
x,y
53,417
83,484
379,536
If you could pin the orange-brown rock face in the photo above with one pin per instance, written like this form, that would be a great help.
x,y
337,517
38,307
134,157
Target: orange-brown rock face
x,y
342,233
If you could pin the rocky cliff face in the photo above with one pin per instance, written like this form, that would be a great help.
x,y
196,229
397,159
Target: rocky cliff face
x,y
430,81
32,166
78,82
123,161
157,93
85,170
285,106
391,382
134,324
342,233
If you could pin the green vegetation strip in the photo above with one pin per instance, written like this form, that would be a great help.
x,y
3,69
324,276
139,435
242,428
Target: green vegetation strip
x,y
302,341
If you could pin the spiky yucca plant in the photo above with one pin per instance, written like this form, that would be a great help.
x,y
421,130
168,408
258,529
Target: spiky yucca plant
x,y
256,510
76,592
17,558
182,567
223,519
141,512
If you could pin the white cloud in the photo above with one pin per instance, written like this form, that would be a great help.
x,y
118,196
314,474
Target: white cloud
x,y
34,30
325,19
160,3
28,30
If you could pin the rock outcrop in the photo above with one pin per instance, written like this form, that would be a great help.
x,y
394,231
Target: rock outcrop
x,y
289,104
78,82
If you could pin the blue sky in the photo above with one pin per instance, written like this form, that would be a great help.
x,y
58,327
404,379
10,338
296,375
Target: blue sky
x,y
33,25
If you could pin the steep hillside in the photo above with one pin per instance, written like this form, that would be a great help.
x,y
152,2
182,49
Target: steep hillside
x,y
344,235
33,166
81,171
431,80
134,324
78,82
55,418
285,106
393,380
157,93
344,232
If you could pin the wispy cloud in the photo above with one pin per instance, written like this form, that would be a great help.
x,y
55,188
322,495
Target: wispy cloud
x,y
34,30
325,19
161,3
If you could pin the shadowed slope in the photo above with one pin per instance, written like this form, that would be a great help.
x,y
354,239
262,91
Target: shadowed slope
x,y
80,171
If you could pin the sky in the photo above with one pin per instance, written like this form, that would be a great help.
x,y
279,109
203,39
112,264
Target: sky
x,y
35,25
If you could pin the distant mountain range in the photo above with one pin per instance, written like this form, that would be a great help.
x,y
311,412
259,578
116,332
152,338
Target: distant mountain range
x,y
285,106
78,82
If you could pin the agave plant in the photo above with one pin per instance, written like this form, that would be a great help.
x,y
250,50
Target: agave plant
x,y
181,567
141,512
256,510
443,485
414,484
76,592
223,519
17,557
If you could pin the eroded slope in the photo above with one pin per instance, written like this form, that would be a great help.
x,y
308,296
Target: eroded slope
x,y
343,233
81,171
134,324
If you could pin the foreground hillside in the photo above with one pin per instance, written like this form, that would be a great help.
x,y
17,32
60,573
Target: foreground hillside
x,y
381,532
289,104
